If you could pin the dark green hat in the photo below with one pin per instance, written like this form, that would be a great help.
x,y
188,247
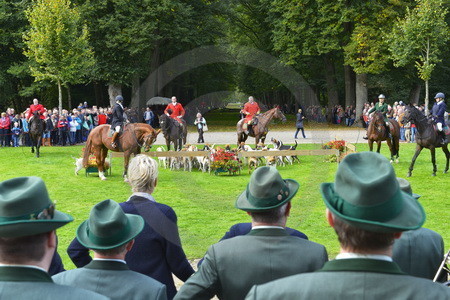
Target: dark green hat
x,y
26,208
266,190
366,195
108,227
406,187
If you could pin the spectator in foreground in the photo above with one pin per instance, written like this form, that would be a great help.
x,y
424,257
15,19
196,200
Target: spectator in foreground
x,y
419,252
28,221
368,211
157,250
110,233
232,266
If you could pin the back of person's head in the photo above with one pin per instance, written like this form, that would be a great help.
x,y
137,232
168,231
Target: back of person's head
x,y
267,195
142,173
367,204
27,215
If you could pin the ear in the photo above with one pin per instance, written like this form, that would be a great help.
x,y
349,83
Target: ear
x,y
330,217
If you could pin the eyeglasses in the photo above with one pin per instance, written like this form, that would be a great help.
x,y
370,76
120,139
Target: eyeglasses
x,y
45,214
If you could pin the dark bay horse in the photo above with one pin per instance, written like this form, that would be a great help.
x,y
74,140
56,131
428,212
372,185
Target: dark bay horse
x,y
426,137
173,131
261,129
376,132
132,139
36,130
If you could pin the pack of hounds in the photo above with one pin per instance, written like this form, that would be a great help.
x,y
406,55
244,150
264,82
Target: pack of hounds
x,y
203,163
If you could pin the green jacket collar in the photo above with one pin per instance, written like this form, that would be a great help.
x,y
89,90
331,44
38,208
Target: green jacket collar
x,y
362,265
268,232
8,273
107,265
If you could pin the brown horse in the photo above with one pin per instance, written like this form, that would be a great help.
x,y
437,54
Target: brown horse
x,y
261,129
426,137
377,133
133,138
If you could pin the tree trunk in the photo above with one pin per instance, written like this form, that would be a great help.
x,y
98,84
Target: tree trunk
x,y
426,98
59,96
330,75
69,97
361,93
136,100
113,90
414,93
350,93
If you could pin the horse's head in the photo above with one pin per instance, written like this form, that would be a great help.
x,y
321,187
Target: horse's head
x,y
150,139
409,115
377,118
164,122
279,114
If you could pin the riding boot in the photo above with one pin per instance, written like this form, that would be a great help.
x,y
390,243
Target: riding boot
x,y
113,140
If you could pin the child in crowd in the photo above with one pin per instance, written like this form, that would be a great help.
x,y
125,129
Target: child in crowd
x,y
16,134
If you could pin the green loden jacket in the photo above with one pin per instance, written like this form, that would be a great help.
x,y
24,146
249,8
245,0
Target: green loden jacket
x,y
356,278
113,279
17,282
231,267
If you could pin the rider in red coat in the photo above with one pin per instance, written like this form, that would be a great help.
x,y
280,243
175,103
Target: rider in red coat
x,y
177,110
251,109
36,107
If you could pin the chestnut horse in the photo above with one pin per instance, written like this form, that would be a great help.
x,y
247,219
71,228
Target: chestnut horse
x,y
131,140
261,129
376,132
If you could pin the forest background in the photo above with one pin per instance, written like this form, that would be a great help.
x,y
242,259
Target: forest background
x,y
347,52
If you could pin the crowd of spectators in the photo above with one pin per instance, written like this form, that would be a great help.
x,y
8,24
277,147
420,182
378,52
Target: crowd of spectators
x,y
65,127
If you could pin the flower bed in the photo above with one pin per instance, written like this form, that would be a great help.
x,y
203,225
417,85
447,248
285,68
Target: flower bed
x,y
225,162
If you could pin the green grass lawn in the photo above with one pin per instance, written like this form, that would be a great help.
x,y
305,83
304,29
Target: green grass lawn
x,y
205,203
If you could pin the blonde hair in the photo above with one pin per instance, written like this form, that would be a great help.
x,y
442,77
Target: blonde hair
x,y
142,173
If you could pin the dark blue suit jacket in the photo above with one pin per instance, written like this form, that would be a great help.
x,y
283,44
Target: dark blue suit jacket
x,y
438,112
157,250
244,228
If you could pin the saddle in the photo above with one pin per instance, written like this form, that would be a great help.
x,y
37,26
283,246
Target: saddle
x,y
112,130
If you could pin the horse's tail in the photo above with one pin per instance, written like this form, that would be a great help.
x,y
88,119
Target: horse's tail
x,y
87,151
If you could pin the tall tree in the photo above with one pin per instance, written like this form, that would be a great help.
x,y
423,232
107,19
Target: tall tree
x,y
419,37
57,43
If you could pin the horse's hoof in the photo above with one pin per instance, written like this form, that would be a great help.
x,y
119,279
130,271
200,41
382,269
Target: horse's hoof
x,y
409,175
445,172
391,161
434,174
396,161
103,178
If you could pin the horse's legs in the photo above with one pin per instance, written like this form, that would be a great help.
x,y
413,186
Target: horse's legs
x,y
168,144
447,155
433,160
126,160
391,148
99,159
38,145
411,167
370,145
378,146
263,138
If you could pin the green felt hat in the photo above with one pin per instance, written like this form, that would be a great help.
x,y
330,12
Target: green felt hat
x,y
366,195
26,208
108,227
266,190
406,187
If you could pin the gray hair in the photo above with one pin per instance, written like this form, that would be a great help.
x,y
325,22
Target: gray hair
x,y
142,173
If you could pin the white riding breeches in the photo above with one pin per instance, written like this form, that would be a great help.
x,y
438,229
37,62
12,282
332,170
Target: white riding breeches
x,y
117,128
439,126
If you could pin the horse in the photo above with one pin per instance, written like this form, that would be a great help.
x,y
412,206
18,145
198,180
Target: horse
x,y
133,138
426,137
36,130
376,132
173,131
260,129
